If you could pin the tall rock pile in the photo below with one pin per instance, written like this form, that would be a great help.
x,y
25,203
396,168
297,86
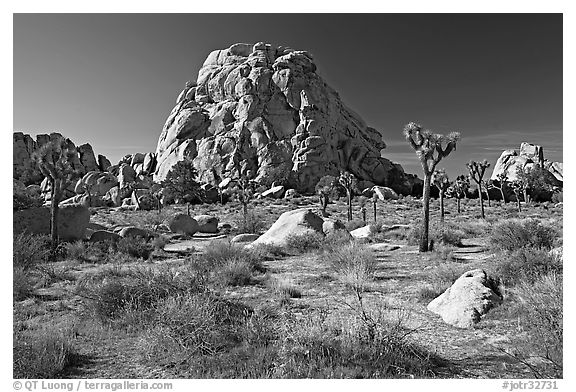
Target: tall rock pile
x,y
25,170
529,155
264,112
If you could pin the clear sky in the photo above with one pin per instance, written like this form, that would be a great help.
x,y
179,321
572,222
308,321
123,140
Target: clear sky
x,y
112,79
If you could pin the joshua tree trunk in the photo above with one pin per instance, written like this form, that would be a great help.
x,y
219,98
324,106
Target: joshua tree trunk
x,y
364,214
374,205
458,203
488,197
426,210
441,206
349,195
518,203
481,201
54,201
526,199
323,203
502,193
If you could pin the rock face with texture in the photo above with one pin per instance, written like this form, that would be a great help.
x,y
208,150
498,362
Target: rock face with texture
x,y
464,303
263,112
96,183
182,223
297,222
529,156
24,147
72,221
207,223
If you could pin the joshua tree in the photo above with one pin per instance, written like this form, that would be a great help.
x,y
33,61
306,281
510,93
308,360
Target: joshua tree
x,y
429,148
487,185
517,188
54,159
442,182
181,182
348,182
245,193
500,183
477,170
363,200
324,188
374,203
523,180
458,188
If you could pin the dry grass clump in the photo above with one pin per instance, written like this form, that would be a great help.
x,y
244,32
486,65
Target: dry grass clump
x,y
306,242
43,353
355,265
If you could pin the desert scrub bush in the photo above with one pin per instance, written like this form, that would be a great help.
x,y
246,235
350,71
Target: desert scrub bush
x,y
514,234
30,250
43,353
539,309
444,234
185,326
22,284
335,240
76,250
475,228
445,252
316,347
354,224
355,265
284,289
115,292
135,246
525,265
233,265
253,224
304,242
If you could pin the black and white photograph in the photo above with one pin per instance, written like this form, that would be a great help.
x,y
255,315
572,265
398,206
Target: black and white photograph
x,y
270,195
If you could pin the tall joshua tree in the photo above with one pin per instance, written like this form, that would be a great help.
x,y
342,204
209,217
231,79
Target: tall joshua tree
x,y
487,185
442,182
348,182
54,159
324,188
477,170
374,204
458,188
500,183
430,149
517,188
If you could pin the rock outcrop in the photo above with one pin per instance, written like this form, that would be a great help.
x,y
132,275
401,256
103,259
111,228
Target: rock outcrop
x,y
470,297
264,112
297,222
529,156
24,146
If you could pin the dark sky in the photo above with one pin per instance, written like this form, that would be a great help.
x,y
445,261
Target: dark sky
x,y
111,80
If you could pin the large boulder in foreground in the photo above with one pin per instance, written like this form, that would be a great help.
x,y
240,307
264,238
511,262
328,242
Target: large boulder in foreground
x,y
207,223
470,297
263,112
297,222
72,221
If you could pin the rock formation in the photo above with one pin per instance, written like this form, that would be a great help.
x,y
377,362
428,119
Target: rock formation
x,y
530,155
264,112
25,169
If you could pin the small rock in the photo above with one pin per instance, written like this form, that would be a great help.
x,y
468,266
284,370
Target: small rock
x,y
361,232
245,238
275,192
133,232
104,235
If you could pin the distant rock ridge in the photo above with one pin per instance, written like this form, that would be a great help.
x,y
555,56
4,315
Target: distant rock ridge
x,y
263,112
24,146
529,156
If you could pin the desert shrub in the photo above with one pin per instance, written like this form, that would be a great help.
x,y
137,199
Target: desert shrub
x,y
30,250
233,264
354,224
135,246
76,250
253,224
284,289
22,284
428,293
159,242
525,265
115,292
539,308
305,242
42,354
315,347
355,265
186,326
444,234
335,240
514,234
474,228
445,252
